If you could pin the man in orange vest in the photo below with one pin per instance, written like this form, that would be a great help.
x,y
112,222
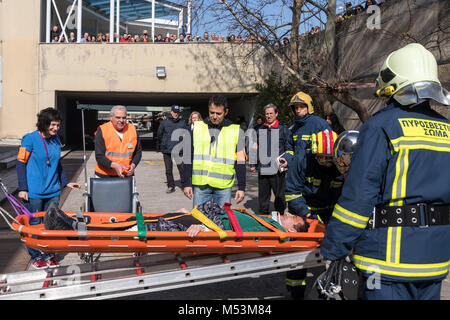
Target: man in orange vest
x,y
117,146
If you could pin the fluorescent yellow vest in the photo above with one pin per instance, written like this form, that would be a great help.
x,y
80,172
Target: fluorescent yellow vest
x,y
213,163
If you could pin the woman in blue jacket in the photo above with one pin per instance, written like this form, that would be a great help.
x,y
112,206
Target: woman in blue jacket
x,y
40,174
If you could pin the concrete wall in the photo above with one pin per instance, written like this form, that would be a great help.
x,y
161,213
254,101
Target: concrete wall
x,y
131,67
19,23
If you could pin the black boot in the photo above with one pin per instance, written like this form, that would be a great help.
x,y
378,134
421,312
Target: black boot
x,y
56,219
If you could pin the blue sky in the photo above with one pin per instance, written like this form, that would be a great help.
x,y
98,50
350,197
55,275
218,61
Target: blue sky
x,y
216,26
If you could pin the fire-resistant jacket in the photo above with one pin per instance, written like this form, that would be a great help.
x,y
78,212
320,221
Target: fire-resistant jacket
x,y
402,158
116,150
301,130
311,187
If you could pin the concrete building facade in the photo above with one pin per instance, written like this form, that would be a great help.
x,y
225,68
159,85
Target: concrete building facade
x,y
37,75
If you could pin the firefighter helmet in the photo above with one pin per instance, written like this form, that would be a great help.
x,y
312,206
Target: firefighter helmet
x,y
410,75
343,150
322,146
301,98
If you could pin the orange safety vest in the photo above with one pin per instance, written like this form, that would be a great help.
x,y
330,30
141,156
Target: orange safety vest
x,y
119,151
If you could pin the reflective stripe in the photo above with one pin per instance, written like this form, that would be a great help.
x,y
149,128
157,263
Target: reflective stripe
x,y
314,181
207,157
336,184
118,154
212,174
393,244
318,209
423,143
306,137
401,269
289,152
399,184
349,217
295,137
295,282
290,197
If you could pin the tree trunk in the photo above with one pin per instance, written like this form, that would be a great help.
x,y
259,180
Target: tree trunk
x,y
353,103
322,99
330,41
296,12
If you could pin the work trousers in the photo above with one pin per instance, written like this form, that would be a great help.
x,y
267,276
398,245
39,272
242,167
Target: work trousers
x,y
169,170
268,184
417,290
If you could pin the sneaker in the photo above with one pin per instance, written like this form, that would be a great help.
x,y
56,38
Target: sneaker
x,y
39,264
52,262
170,190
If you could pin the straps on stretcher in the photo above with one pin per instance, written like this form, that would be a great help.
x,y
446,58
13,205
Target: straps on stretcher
x,y
197,214
233,221
281,234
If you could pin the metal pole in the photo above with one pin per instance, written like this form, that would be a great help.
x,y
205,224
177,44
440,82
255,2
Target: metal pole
x,y
59,19
79,19
153,20
118,20
48,26
189,17
111,21
180,22
67,20
84,150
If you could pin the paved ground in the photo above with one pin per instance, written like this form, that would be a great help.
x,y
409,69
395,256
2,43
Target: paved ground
x,y
151,187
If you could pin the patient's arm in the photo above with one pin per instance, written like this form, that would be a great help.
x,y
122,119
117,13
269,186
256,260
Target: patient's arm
x,y
194,229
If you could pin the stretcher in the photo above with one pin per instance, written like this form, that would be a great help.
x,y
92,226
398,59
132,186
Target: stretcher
x,y
108,241
174,259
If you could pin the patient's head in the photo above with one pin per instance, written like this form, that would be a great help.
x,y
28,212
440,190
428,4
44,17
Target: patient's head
x,y
293,223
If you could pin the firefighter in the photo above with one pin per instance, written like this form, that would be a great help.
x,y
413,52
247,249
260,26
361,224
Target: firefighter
x,y
313,185
393,213
305,124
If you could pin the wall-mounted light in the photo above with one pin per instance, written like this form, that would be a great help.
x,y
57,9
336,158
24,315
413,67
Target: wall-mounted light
x,y
161,72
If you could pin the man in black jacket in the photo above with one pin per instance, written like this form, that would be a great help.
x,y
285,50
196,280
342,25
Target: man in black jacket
x,y
271,142
164,135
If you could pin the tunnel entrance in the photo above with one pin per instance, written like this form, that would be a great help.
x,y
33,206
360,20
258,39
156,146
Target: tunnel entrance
x,y
142,108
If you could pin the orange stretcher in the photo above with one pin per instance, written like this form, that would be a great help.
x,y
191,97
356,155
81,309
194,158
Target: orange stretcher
x,y
107,241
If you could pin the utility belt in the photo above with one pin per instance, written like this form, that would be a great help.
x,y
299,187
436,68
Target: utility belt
x,y
415,215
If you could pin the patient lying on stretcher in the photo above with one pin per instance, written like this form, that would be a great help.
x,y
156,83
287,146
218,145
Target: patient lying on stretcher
x,y
182,220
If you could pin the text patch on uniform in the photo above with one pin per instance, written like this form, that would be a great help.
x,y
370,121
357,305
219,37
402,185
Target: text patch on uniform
x,y
424,128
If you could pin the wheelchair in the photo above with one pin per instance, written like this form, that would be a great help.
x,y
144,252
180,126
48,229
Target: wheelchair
x,y
110,195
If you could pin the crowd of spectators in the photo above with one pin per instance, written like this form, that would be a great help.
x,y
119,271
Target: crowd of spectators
x,y
146,37
350,11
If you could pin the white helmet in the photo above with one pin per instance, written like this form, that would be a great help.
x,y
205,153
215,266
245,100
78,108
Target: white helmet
x,y
410,76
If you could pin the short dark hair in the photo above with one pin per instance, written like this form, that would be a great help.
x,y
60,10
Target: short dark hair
x,y
45,117
301,227
218,100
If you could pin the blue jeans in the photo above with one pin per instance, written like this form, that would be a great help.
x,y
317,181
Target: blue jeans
x,y
204,194
37,205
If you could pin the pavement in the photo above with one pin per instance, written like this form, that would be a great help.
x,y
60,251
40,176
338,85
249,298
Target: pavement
x,y
151,186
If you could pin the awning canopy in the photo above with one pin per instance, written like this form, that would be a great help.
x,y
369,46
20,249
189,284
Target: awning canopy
x,y
132,10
